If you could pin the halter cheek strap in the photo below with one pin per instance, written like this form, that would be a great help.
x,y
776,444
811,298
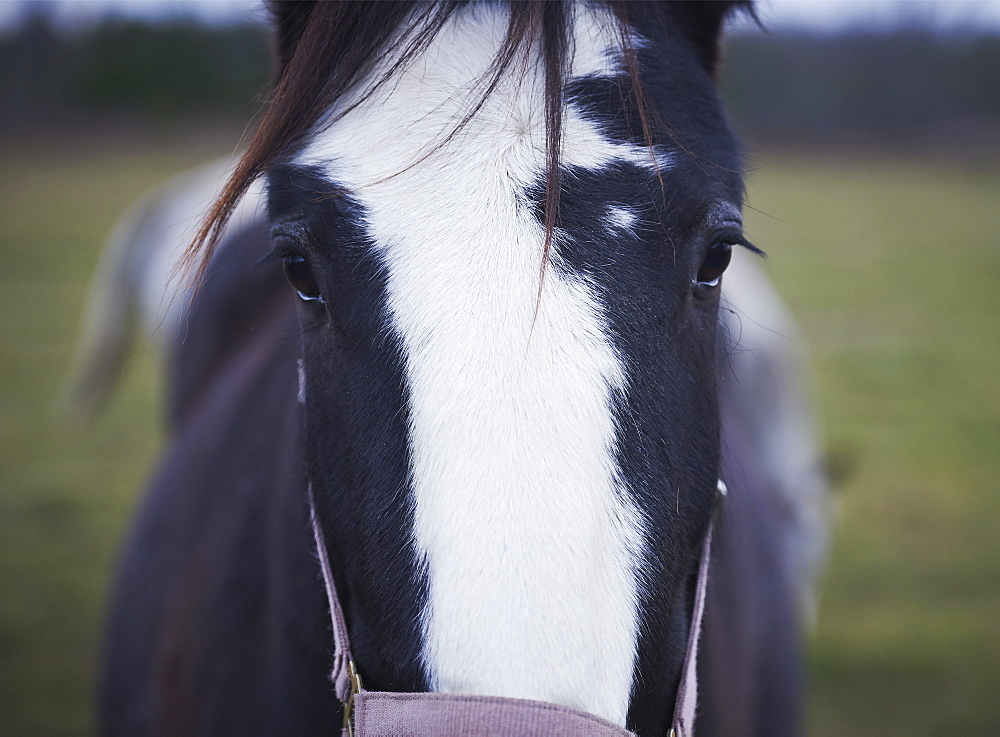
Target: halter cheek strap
x,y
343,674
389,714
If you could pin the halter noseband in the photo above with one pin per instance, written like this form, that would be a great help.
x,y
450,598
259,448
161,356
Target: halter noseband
x,y
387,714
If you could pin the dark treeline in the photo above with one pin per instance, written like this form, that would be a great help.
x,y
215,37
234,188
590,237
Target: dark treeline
x,y
907,87
911,86
132,68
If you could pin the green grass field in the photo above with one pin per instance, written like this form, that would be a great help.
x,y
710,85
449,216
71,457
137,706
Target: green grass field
x,y
892,267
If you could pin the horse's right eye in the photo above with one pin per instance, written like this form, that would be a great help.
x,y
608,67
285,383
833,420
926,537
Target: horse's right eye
x,y
300,276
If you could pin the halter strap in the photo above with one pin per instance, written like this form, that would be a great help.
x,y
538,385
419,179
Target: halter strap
x,y
687,691
343,673
389,714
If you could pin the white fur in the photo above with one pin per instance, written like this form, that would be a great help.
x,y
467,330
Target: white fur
x,y
165,297
531,543
132,286
620,218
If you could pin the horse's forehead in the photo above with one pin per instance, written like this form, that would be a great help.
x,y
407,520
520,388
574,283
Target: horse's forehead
x,y
405,139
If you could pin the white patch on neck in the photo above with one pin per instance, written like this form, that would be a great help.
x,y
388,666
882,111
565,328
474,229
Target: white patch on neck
x,y
532,545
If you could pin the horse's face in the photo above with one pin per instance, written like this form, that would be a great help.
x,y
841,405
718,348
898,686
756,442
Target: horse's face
x,y
514,469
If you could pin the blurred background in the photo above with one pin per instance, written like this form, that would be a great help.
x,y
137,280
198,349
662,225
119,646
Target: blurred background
x,y
874,134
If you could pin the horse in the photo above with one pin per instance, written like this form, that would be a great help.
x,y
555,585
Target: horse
x,y
132,292
496,397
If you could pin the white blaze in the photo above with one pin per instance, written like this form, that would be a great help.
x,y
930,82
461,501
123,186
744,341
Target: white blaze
x,y
530,541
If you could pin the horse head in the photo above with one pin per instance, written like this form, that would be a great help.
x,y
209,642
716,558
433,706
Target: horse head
x,y
506,225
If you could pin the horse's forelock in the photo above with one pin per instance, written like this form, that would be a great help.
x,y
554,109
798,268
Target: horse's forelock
x,y
325,49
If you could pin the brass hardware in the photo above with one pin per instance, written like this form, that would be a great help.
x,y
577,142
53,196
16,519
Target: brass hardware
x,y
355,680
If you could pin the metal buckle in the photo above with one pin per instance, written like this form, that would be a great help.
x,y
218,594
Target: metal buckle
x,y
355,680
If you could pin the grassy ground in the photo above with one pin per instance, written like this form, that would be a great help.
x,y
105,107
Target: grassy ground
x,y
64,495
894,271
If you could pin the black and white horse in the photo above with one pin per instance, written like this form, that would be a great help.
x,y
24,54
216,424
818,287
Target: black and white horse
x,y
502,383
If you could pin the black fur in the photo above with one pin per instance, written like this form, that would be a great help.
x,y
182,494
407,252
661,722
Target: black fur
x,y
218,623
356,445
669,430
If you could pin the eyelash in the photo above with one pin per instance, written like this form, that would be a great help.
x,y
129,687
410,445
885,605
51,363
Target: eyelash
x,y
280,252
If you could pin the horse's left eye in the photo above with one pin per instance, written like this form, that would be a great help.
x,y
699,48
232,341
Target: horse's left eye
x,y
714,264
300,276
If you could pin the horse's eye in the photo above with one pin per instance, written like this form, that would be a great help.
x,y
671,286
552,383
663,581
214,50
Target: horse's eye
x,y
300,276
714,264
